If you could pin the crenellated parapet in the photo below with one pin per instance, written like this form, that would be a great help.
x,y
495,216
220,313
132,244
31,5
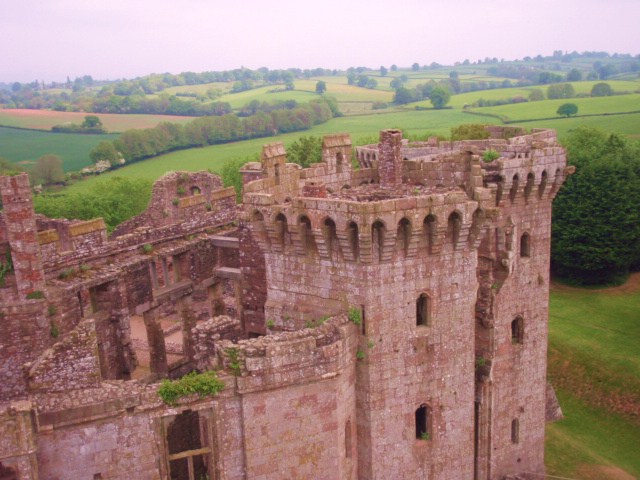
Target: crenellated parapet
x,y
374,231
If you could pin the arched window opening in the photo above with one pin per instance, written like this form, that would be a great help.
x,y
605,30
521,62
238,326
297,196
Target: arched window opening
x,y
306,235
423,310
514,188
195,190
499,191
429,227
515,430
330,236
454,226
525,245
257,216
339,162
423,422
276,169
7,473
347,439
543,183
377,239
528,188
404,235
281,229
517,331
354,240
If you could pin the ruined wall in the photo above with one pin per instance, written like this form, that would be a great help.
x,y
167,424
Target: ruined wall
x,y
70,364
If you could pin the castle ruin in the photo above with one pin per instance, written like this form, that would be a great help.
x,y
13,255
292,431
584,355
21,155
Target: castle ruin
x,y
380,322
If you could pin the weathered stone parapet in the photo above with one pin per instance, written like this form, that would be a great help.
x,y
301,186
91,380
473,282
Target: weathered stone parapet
x,y
290,358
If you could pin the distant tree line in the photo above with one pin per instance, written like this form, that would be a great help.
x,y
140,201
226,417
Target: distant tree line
x,y
137,144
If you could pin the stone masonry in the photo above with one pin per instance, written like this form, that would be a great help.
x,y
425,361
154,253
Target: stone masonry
x,y
383,322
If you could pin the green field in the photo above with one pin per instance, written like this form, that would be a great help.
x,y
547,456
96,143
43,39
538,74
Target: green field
x,y
45,119
594,363
547,108
26,146
213,157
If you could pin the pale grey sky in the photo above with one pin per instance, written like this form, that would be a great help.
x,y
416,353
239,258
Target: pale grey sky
x,y
109,39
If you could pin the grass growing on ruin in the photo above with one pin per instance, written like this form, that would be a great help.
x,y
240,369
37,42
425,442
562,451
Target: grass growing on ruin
x,y
204,384
594,363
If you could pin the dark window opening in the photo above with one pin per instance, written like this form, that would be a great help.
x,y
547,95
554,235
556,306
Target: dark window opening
x,y
404,235
515,430
514,188
306,235
331,237
499,191
429,227
276,168
377,239
188,453
543,184
423,420
455,225
354,240
517,330
7,473
422,310
525,245
528,188
195,190
281,229
339,162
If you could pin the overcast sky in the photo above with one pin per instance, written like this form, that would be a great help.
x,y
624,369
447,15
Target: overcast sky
x,y
109,39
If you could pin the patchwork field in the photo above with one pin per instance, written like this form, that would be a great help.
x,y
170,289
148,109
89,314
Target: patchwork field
x,y
114,123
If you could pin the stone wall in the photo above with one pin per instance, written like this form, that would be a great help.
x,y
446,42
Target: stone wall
x,y
70,364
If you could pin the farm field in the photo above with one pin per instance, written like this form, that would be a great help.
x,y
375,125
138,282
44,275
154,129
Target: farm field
x,y
548,108
114,123
213,157
594,364
24,147
265,94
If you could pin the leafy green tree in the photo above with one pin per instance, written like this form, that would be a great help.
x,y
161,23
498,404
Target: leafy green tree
x,y
105,151
601,89
574,75
560,90
567,109
439,97
383,71
305,150
403,95
48,170
536,95
596,220
91,121
415,67
8,168
321,87
394,68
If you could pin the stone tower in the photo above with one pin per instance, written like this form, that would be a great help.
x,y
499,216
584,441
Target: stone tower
x,y
446,258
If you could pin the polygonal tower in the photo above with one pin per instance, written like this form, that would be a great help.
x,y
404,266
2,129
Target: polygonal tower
x,y
446,259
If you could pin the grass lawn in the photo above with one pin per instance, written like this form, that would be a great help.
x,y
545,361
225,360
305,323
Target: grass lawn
x,y
547,108
594,364
264,94
24,147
